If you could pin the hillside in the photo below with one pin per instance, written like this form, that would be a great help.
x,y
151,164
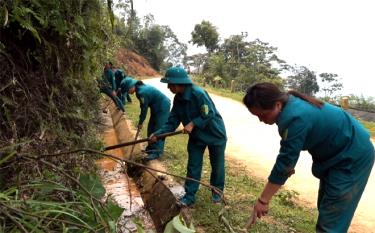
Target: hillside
x,y
134,64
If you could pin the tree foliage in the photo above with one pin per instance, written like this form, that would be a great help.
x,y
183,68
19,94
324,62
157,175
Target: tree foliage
x,y
246,62
303,80
157,43
362,103
205,34
331,83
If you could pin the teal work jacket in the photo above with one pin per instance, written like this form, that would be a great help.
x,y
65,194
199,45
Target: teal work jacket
x,y
109,78
119,75
195,105
331,135
149,96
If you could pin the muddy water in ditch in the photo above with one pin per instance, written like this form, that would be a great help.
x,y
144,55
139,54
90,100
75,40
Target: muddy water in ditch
x,y
257,144
121,187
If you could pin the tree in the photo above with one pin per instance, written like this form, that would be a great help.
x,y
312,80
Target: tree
x,y
176,51
247,62
150,45
303,80
205,34
158,44
331,83
129,22
197,60
234,47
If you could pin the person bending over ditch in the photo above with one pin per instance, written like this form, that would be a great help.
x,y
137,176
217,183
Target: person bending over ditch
x,y
149,97
119,76
107,86
194,108
341,150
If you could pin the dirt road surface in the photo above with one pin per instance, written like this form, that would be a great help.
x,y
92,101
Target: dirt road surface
x,y
257,145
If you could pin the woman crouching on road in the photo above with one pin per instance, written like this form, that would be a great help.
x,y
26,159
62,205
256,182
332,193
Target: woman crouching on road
x,y
340,146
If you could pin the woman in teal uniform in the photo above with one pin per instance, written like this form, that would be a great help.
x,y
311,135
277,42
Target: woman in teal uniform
x,y
341,150
194,108
149,97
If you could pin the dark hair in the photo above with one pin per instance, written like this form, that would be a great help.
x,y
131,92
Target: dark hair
x,y
139,82
265,95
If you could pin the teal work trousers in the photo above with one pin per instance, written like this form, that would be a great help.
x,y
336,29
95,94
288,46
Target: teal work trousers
x,y
195,163
339,193
115,99
156,121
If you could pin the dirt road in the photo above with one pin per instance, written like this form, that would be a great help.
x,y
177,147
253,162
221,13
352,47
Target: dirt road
x,y
257,145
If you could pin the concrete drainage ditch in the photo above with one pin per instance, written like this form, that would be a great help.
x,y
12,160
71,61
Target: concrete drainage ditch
x,y
149,198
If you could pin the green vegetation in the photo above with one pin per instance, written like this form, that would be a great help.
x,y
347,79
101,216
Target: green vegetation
x,y
370,126
241,191
362,103
50,53
249,62
225,92
157,43
205,34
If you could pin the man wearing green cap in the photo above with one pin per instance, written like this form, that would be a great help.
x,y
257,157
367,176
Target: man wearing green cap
x,y
149,97
193,107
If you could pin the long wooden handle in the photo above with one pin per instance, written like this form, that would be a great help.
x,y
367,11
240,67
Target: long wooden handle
x,y
136,136
160,136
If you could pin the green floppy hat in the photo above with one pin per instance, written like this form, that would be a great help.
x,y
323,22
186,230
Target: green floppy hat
x,y
176,75
127,83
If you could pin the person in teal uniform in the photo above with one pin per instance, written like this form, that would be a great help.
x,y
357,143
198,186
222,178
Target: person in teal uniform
x,y
119,75
159,104
340,146
108,86
193,107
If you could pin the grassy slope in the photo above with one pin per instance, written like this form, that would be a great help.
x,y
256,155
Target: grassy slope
x,y
370,126
241,191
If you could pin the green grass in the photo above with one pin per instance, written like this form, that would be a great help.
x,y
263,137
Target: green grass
x,y
370,126
225,93
241,191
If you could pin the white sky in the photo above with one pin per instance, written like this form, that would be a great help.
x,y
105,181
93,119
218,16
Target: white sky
x,y
334,36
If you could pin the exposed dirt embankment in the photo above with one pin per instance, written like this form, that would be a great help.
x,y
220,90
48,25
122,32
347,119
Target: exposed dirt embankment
x,y
134,64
